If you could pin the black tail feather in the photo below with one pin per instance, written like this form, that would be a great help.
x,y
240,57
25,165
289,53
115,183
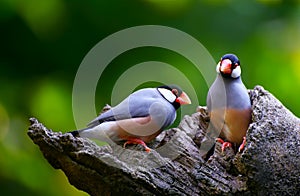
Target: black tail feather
x,y
75,133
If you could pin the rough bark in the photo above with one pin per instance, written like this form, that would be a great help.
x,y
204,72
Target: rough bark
x,y
269,164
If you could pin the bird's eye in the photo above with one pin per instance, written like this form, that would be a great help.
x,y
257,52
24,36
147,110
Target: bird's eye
x,y
235,65
175,92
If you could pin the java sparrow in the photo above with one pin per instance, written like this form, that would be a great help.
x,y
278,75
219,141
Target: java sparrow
x,y
139,118
228,103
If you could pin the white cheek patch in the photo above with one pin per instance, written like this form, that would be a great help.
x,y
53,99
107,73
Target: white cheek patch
x,y
236,72
218,68
167,94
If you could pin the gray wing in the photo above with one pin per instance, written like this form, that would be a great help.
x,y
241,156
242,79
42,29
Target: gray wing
x,y
208,101
138,104
216,96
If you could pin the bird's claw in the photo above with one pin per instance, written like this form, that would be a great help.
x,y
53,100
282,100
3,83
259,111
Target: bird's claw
x,y
242,146
137,141
224,144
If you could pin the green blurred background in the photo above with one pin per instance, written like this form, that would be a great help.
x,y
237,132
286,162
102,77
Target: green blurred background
x,y
44,41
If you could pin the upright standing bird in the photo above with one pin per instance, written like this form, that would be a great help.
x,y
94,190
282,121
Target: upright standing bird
x,y
228,103
139,118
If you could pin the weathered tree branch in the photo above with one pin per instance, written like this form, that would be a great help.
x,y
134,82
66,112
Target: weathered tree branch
x,y
269,164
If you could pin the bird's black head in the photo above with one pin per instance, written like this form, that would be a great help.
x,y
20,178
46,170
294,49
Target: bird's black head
x,y
229,66
174,95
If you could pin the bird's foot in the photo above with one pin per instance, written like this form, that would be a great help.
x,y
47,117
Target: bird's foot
x,y
137,141
224,144
242,146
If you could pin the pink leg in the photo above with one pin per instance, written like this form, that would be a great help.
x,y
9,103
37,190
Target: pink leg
x,y
224,144
137,141
242,146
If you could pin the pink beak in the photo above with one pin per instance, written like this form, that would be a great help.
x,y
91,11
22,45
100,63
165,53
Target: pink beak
x,y
183,99
225,66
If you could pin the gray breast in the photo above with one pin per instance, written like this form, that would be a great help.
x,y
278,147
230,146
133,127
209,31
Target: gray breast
x,y
228,93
